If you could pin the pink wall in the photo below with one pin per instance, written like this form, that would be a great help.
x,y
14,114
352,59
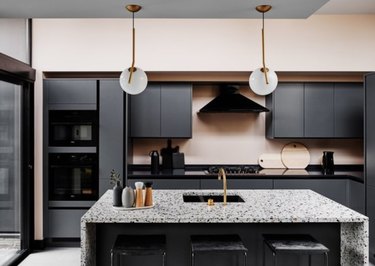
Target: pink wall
x,y
319,43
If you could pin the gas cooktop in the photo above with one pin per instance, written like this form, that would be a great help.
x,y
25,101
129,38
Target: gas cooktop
x,y
233,170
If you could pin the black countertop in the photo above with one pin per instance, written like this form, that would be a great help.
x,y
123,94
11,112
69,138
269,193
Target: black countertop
x,y
353,172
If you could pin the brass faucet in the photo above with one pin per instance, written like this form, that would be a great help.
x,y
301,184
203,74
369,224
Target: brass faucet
x,y
223,175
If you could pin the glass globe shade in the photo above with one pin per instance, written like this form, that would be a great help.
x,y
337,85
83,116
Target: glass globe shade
x,y
137,84
257,82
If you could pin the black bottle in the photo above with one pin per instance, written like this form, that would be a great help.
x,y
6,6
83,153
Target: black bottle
x,y
328,163
154,162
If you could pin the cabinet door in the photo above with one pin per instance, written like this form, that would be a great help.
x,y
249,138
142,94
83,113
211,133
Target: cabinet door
x,y
176,110
348,105
370,212
145,113
111,131
370,130
286,111
69,91
237,184
334,189
319,118
172,183
357,196
65,223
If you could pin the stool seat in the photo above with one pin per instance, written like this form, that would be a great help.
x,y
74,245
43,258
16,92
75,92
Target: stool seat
x,y
205,244
295,243
219,243
298,244
139,245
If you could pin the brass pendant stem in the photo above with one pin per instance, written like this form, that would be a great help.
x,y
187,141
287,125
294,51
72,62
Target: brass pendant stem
x,y
133,59
264,59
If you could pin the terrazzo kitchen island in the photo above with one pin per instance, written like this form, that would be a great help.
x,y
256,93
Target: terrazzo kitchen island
x,y
342,230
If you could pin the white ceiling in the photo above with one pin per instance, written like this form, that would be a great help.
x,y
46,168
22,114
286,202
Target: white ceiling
x,y
179,8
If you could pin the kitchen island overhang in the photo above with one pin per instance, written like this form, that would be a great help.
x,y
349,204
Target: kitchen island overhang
x,y
264,207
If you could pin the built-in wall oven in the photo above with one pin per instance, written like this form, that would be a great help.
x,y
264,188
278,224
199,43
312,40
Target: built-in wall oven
x,y
73,128
73,176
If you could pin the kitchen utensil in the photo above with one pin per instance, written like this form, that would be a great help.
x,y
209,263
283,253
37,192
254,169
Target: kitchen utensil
x,y
295,156
166,154
154,162
328,162
271,160
178,160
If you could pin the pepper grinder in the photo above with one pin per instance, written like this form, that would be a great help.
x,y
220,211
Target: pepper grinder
x,y
139,194
148,201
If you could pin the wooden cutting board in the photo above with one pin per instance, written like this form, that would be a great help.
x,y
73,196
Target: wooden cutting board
x,y
295,156
271,161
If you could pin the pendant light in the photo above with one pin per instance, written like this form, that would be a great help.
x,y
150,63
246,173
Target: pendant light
x,y
133,80
262,80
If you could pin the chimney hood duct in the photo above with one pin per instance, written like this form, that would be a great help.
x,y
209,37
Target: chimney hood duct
x,y
230,101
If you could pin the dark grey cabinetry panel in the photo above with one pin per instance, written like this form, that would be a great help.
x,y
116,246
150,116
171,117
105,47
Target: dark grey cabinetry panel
x,y
315,110
111,129
348,103
176,105
145,113
286,117
370,212
65,223
318,110
356,196
237,184
333,189
70,92
172,183
162,111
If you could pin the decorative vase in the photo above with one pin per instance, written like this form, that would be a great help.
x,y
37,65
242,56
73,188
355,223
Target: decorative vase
x,y
128,197
117,192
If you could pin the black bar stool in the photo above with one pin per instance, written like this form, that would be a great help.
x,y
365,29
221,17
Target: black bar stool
x,y
204,244
139,245
298,244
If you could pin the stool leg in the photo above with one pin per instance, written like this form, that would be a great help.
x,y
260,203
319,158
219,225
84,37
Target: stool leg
x,y
309,260
112,259
326,259
192,259
164,258
274,259
245,257
264,254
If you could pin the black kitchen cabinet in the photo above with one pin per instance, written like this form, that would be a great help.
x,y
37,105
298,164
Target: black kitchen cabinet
x,y
71,94
315,110
162,111
356,196
286,117
237,184
111,132
318,110
348,110
335,189
369,147
65,223
170,183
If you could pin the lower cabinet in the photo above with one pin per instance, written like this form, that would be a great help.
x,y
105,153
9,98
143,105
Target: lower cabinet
x,y
335,189
237,184
65,223
371,214
171,183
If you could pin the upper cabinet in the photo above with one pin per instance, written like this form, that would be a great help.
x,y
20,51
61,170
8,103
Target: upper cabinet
x,y
71,93
162,111
315,110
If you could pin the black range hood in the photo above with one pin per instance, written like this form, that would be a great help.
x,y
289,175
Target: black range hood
x,y
231,101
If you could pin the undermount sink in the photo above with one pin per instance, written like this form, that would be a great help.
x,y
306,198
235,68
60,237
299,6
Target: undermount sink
x,y
216,198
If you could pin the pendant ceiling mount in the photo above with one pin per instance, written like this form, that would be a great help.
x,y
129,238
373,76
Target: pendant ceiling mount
x,y
133,8
263,8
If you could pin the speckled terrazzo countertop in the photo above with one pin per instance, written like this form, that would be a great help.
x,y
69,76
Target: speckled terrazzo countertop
x,y
260,206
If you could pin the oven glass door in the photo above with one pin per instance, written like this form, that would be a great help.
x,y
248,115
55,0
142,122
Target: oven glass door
x,y
73,177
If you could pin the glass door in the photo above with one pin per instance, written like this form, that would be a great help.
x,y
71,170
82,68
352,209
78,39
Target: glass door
x,y
16,160
10,170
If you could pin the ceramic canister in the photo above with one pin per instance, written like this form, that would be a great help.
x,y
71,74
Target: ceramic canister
x,y
128,197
